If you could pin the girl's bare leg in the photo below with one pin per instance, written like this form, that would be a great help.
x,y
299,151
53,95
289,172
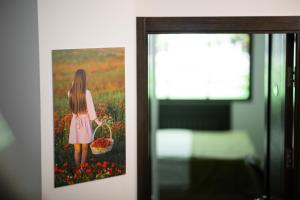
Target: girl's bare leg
x,y
84,153
77,154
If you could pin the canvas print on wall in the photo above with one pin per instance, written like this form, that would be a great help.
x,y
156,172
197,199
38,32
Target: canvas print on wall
x,y
89,114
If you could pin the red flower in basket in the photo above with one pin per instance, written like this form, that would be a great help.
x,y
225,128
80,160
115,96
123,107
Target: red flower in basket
x,y
101,143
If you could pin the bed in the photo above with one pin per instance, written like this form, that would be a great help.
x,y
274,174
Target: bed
x,y
210,164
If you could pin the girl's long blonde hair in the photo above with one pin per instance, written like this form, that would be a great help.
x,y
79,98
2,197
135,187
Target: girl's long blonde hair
x,y
77,101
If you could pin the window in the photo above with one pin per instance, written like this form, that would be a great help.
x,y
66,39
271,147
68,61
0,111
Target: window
x,y
201,66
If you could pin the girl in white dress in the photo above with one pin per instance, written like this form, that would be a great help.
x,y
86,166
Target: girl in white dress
x,y
83,110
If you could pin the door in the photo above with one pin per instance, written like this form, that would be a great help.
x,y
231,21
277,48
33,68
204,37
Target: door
x,y
296,171
281,85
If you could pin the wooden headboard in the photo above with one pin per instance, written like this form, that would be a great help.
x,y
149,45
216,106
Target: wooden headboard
x,y
200,115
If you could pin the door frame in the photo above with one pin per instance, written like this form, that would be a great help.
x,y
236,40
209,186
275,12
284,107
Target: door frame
x,y
148,25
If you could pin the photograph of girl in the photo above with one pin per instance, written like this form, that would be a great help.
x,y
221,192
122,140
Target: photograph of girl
x,y
89,114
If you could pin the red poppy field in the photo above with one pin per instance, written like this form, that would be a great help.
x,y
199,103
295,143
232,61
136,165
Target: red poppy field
x,y
106,81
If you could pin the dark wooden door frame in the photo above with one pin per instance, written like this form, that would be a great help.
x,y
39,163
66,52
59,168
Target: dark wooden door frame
x,y
148,25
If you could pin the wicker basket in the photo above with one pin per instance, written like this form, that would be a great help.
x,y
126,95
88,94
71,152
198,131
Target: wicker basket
x,y
102,150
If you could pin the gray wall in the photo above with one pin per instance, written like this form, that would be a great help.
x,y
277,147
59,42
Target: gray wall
x,y
20,167
250,116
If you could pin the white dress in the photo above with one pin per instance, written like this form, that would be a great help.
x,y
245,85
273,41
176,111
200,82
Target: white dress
x,y
81,131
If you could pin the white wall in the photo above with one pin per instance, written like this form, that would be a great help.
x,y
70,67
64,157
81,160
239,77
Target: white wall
x,y
98,23
250,115
66,24
217,7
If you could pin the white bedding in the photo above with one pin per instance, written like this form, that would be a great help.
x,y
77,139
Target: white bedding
x,y
185,144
